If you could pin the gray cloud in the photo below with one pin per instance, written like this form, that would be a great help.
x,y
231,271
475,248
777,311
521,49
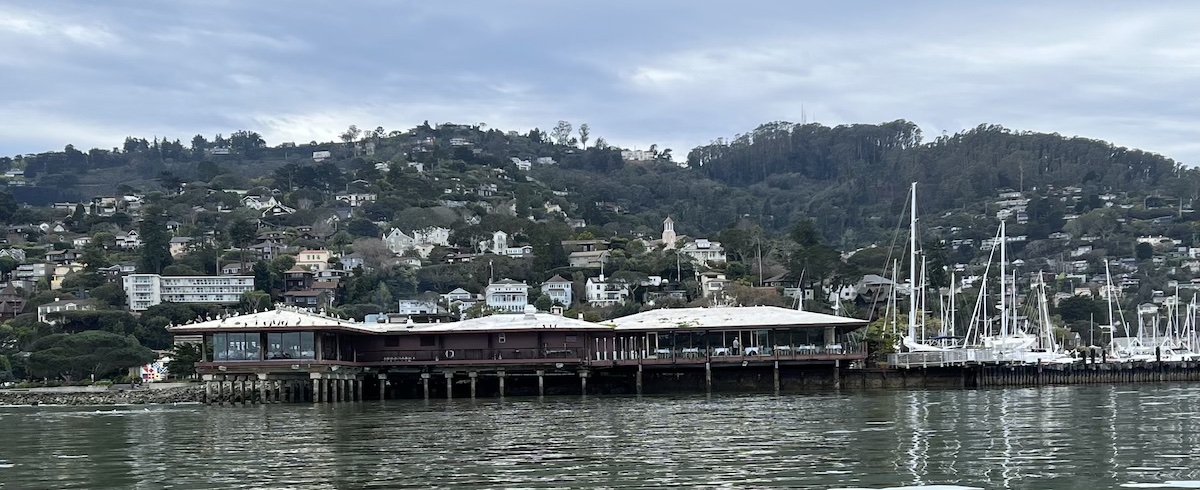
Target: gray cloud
x,y
638,72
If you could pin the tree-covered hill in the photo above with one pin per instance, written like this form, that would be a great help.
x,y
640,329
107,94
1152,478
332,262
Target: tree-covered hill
x,y
849,176
851,180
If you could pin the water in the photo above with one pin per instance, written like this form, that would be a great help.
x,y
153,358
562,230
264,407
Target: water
x,y
1085,437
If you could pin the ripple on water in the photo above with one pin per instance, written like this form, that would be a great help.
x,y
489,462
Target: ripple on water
x,y
1069,437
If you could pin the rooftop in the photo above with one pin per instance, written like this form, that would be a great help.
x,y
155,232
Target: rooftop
x,y
730,317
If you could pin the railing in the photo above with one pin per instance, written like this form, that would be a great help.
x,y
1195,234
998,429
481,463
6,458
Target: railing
x,y
941,358
547,354
705,354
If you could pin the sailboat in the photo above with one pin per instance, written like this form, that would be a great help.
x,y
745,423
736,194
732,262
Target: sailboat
x,y
910,341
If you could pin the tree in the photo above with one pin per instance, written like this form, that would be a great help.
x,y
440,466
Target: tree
x,y
350,136
374,252
183,360
362,227
543,303
90,353
242,234
110,294
1143,251
254,301
1081,308
811,259
7,265
562,133
584,133
156,244
8,206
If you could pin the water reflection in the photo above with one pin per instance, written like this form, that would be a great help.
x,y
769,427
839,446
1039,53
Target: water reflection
x,y
1084,437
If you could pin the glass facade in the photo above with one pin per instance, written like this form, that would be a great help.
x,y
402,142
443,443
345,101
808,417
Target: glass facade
x,y
249,347
236,347
291,345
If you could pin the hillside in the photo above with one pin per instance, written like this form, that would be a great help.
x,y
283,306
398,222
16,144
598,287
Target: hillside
x,y
852,180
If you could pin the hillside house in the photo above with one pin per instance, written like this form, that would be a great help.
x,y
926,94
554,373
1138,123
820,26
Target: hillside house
x,y
507,296
704,251
44,311
600,292
559,290
314,260
356,199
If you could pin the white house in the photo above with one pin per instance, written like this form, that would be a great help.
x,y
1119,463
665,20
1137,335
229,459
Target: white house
x,y
713,284
320,156
600,292
636,155
129,240
146,290
559,290
433,235
507,296
416,307
356,199
57,305
704,250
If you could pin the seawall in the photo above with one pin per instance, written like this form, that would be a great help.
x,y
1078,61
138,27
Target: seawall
x,y
141,396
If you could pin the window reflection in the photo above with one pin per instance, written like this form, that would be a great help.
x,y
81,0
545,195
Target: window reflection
x,y
236,347
279,345
290,345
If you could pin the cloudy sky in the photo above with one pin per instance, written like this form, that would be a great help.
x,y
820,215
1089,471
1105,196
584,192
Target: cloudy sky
x,y
673,72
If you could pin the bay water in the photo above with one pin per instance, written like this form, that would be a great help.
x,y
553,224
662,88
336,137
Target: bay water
x,y
1078,437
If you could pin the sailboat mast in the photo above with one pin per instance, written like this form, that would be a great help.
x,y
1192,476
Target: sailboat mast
x,y
1003,278
1108,294
912,265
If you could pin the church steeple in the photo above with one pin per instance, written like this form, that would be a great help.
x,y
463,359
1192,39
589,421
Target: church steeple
x,y
668,234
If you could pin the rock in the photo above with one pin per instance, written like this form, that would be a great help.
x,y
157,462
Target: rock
x,y
130,397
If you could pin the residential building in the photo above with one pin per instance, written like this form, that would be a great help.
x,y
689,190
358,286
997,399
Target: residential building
x,y
397,241
146,290
703,250
314,260
61,271
356,199
320,156
44,311
416,307
129,240
637,155
507,296
11,303
433,235
180,245
298,278
459,294
312,299
713,284
602,292
591,260
559,289
14,253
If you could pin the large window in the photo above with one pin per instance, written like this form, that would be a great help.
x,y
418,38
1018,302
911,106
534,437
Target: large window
x,y
291,345
236,347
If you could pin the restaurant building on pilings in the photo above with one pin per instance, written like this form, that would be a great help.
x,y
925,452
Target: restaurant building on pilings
x,y
293,354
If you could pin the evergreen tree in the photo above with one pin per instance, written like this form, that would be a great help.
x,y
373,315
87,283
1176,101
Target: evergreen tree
x,y
156,244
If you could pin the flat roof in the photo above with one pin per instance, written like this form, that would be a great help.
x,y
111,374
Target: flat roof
x,y
285,317
730,317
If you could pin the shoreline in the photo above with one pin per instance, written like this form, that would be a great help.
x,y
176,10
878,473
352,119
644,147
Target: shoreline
x,y
142,396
